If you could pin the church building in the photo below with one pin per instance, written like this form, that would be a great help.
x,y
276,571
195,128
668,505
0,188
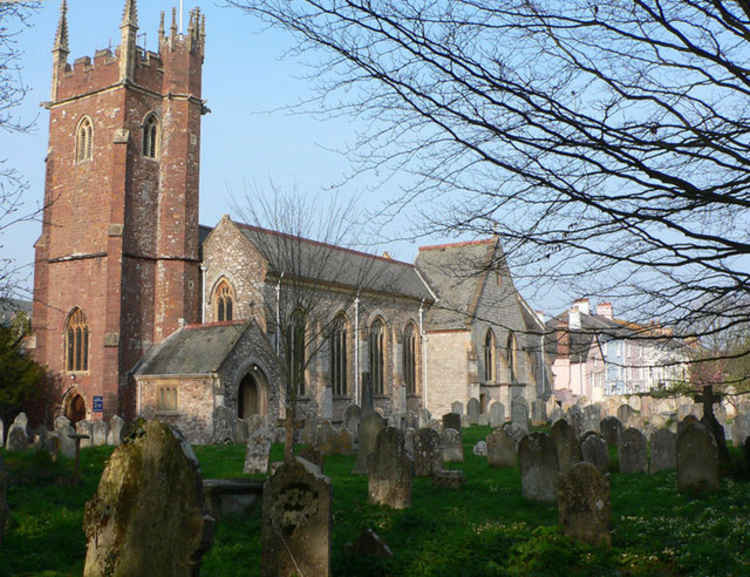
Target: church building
x,y
142,311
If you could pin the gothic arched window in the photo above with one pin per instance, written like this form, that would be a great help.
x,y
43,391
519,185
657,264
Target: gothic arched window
x,y
151,136
77,341
410,359
295,347
84,140
338,356
489,356
512,356
377,356
224,299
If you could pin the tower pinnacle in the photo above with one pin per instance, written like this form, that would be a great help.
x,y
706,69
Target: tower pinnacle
x,y
61,36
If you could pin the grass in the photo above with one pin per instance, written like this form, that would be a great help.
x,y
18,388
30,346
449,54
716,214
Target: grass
x,y
485,529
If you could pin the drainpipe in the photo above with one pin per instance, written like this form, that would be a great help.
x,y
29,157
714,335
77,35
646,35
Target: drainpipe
x,y
357,395
278,314
424,351
203,293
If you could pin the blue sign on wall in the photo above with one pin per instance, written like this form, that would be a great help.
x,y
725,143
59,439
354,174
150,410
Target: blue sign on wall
x,y
98,403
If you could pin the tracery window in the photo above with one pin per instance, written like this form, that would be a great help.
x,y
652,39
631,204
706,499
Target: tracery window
x,y
151,136
84,140
489,356
224,298
296,352
77,341
338,356
512,356
377,356
410,359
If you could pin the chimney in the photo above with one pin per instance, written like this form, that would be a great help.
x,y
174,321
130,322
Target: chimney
x,y
582,305
604,310
574,318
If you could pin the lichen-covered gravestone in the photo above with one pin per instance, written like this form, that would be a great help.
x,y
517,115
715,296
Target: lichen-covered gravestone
x,y
633,452
390,471
472,411
663,444
497,414
85,428
99,431
500,449
18,436
147,516
583,505
114,436
537,459
426,451
611,429
452,421
519,413
258,451
451,446
574,417
296,532
697,460
594,450
457,407
369,427
566,444
592,415
741,428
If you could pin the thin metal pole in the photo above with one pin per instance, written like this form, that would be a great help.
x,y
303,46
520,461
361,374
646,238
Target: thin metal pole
x,y
180,16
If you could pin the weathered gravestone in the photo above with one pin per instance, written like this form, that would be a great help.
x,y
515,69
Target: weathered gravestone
x,y
537,459
341,442
66,445
114,436
611,429
99,432
740,429
18,436
515,432
390,471
258,451
427,455
555,414
352,416
369,427
594,450
663,445
538,412
451,446
85,428
457,407
323,438
480,449
448,479
297,514
625,413
566,445
688,420
147,516
697,460
410,435
574,416
452,421
633,452
519,413
583,505
3,499
592,416
501,450
497,414
473,410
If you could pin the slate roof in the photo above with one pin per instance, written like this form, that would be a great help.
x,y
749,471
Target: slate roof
x,y
195,349
313,260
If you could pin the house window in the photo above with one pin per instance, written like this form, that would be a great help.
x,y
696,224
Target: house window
x,y
295,337
77,342
338,357
489,356
410,359
150,136
224,301
512,356
377,354
84,140
167,399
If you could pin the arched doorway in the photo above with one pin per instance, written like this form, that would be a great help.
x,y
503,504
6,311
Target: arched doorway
x,y
251,394
76,409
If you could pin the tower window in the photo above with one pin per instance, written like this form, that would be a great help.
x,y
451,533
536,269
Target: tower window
x,y
77,342
84,140
224,296
150,136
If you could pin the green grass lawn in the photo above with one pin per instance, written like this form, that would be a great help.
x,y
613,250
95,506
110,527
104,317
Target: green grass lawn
x,y
485,529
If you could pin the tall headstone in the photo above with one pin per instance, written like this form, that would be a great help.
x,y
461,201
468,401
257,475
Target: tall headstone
x,y
148,515
457,407
85,428
584,506
519,412
390,471
625,413
592,415
352,416
697,460
18,434
451,446
297,517
427,455
497,414
500,449
663,445
537,459
740,428
473,410
574,416
594,450
566,445
633,452
258,451
114,437
99,432
611,429
452,421
369,427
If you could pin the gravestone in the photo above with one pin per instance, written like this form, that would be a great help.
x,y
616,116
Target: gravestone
x,y
61,421
537,459
258,451
697,460
99,433
452,421
594,450
323,440
114,436
592,415
625,413
584,506
18,435
515,432
473,410
519,412
566,445
480,449
688,420
500,449
409,435
457,407
497,414
3,499
555,414
85,428
663,445
297,517
611,429
352,416
66,445
341,442
310,428
369,427
148,515
223,423
574,416
451,447
740,429
538,413
412,420
390,471
427,455
633,452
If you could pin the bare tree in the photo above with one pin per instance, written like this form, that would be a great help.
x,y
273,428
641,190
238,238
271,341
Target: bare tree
x,y
606,142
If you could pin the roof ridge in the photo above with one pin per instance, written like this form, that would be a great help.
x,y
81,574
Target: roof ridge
x,y
458,244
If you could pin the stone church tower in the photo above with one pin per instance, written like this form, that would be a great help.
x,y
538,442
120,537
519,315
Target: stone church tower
x,y
117,263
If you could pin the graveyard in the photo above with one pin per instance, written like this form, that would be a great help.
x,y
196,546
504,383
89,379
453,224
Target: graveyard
x,y
483,526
